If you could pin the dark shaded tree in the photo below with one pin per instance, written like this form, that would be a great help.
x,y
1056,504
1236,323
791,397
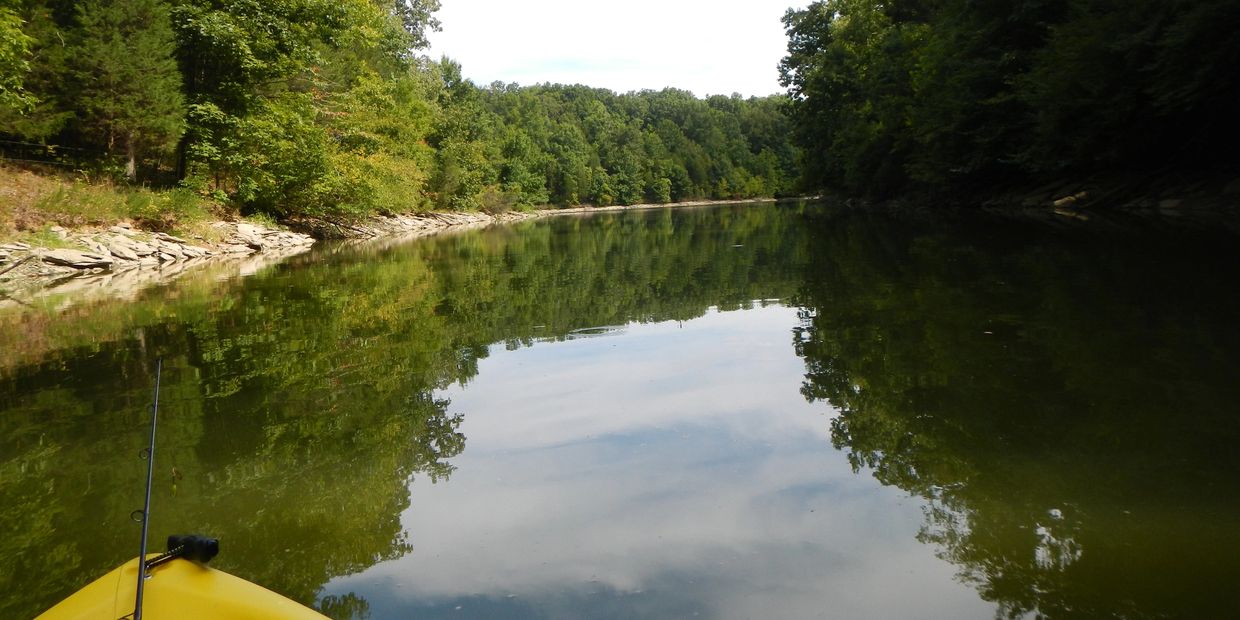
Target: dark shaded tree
x,y
948,94
128,88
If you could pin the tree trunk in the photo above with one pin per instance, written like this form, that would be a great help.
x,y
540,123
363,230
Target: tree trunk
x,y
182,156
131,168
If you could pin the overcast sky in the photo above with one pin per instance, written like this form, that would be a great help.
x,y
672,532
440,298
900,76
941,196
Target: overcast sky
x,y
706,46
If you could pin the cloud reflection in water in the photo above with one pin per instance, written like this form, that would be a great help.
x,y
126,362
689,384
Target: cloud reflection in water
x,y
670,470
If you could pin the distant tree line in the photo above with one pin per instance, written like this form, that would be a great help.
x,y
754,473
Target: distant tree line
x,y
895,95
571,144
325,107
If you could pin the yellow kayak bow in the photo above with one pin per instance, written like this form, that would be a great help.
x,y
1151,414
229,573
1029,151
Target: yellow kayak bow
x,y
178,589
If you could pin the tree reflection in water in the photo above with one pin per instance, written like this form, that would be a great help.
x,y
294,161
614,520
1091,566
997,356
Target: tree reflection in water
x,y
298,403
1064,401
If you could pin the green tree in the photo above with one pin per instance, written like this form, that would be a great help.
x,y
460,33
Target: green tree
x,y
48,107
970,122
467,147
1161,66
309,107
848,75
129,93
323,108
379,128
416,17
14,62
973,94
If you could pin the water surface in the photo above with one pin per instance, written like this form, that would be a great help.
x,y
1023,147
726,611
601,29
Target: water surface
x,y
733,412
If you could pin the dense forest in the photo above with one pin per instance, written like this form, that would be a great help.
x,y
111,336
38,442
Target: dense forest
x,y
326,107
330,108
899,95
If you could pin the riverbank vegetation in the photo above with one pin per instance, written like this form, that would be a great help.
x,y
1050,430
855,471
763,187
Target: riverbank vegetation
x,y
325,108
29,202
918,95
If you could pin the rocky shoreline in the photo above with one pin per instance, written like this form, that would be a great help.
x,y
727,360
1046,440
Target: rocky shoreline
x,y
122,260
406,225
121,253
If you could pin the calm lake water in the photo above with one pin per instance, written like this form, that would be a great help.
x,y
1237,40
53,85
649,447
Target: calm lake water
x,y
732,412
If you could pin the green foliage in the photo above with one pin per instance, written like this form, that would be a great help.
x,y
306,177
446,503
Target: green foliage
x,y
938,95
88,204
571,144
14,62
319,115
290,107
323,108
50,91
466,142
1163,67
129,89
416,17
287,165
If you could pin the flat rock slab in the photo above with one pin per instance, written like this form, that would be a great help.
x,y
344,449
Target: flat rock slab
x,y
122,251
76,259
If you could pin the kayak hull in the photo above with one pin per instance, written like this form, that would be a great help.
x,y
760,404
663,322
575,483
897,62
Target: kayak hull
x,y
177,589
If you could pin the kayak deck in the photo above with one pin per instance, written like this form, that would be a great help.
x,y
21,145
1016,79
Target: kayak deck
x,y
177,589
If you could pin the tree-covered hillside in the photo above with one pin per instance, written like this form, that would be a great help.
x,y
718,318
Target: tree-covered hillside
x,y
893,95
571,144
327,107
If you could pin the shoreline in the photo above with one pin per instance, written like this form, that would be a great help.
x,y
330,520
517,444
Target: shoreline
x,y
120,261
687,203
1208,198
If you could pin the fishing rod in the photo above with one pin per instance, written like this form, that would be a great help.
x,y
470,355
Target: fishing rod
x,y
149,455
193,547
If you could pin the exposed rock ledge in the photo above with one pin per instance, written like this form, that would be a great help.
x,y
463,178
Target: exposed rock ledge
x,y
121,253
120,261
405,225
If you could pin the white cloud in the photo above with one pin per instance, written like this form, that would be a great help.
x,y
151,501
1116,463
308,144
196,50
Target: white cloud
x,y
651,360
705,46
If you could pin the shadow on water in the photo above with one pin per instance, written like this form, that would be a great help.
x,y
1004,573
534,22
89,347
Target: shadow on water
x,y
1065,401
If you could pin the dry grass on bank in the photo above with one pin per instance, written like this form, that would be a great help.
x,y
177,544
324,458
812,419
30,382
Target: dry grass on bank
x,y
31,203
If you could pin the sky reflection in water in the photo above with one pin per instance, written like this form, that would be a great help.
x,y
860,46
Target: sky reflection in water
x,y
644,473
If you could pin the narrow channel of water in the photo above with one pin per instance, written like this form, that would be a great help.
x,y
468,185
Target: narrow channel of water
x,y
728,412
